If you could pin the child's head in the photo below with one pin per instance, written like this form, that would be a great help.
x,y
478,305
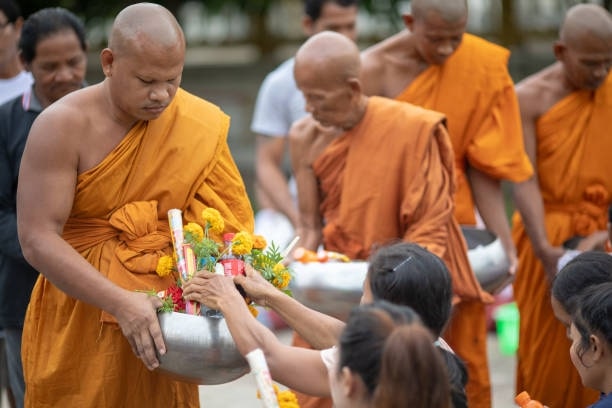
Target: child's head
x,y
387,358
586,269
591,335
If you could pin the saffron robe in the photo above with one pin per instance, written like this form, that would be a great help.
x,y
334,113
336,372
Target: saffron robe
x,y
574,168
74,354
475,91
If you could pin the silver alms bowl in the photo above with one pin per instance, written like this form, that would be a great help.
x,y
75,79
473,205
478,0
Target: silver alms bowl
x,y
334,288
199,349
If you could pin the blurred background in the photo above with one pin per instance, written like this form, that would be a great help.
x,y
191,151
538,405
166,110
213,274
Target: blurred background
x,y
233,44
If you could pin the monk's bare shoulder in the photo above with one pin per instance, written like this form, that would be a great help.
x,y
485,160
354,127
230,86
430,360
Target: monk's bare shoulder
x,y
377,61
538,92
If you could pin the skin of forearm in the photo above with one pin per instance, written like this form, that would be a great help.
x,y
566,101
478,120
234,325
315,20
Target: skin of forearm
x,y
319,330
275,186
529,203
489,200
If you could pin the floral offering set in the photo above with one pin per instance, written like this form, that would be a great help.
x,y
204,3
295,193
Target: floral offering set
x,y
196,250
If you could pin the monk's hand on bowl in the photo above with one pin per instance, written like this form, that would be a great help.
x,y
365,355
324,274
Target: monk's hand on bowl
x,y
549,255
210,289
255,286
138,321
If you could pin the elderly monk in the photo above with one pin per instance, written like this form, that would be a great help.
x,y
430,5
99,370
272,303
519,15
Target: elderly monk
x,y
436,65
100,170
371,170
566,111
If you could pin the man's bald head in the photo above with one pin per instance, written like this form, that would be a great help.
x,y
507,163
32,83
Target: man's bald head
x,y
586,23
331,54
143,24
450,11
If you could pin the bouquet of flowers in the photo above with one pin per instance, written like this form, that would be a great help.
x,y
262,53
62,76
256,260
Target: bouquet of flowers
x,y
195,249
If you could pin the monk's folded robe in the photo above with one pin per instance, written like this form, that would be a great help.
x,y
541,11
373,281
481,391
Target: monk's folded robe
x,y
475,92
119,224
574,173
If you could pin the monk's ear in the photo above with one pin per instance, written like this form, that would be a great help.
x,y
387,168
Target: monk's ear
x,y
355,85
408,20
559,49
106,60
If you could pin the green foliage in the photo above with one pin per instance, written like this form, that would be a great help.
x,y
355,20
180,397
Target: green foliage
x,y
265,261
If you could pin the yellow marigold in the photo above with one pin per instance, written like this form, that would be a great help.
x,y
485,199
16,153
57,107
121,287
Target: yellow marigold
x,y
286,398
213,220
253,310
165,265
259,242
282,277
195,230
242,243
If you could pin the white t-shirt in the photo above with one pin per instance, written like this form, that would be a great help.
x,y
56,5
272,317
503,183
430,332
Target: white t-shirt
x,y
15,86
279,103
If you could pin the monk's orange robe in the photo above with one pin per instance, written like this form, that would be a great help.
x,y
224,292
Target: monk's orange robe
x,y
391,177
74,354
574,168
475,91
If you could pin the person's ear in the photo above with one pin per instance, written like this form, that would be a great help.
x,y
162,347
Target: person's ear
x,y
559,49
308,26
106,60
355,85
408,21
597,347
352,385
18,24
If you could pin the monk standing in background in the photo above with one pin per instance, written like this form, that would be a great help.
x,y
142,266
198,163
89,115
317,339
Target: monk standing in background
x,y
435,64
566,110
371,170
100,170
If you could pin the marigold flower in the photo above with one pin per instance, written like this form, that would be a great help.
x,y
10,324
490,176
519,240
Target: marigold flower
x,y
196,231
259,242
242,243
165,265
213,220
286,398
253,310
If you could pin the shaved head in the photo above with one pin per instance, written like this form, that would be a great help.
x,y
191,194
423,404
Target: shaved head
x,y
449,10
586,23
330,53
144,24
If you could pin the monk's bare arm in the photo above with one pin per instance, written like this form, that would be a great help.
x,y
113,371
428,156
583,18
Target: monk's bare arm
x,y
527,196
45,196
430,196
489,199
270,177
301,146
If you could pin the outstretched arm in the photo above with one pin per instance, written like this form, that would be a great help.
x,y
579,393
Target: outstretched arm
x,y
300,369
319,330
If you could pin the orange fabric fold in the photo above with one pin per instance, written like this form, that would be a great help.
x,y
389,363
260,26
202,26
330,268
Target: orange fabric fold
x,y
475,91
383,180
119,224
573,168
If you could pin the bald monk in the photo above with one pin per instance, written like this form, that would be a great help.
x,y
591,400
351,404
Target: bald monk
x,y
100,170
566,120
371,170
436,65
